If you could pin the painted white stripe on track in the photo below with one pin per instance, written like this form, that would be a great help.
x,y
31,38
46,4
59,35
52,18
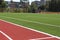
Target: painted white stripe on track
x,y
32,29
42,38
6,35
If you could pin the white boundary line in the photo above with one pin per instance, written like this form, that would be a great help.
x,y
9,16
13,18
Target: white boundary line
x,y
33,22
6,35
31,29
41,38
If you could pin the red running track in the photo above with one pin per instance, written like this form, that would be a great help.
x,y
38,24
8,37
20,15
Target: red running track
x,y
19,33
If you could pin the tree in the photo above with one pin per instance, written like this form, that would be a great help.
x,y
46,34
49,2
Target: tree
x,y
2,5
34,7
54,6
58,5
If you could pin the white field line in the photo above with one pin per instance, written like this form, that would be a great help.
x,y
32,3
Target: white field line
x,y
6,35
31,29
42,38
33,22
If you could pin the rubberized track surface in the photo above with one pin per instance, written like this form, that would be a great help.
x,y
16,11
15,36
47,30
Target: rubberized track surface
x,y
9,31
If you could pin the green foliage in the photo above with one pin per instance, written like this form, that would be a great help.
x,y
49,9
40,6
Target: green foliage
x,y
34,7
54,6
2,5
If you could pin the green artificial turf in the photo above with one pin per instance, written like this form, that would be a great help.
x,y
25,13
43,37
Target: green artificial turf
x,y
49,23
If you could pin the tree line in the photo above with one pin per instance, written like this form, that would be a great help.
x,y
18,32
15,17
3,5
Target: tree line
x,y
54,6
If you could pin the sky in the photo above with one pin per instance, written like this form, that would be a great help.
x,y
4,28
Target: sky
x,y
19,0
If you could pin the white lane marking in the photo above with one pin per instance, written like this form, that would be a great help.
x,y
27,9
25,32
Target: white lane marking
x,y
42,38
33,22
31,29
6,35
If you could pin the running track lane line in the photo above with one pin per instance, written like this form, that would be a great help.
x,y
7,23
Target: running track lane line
x,y
6,35
42,38
31,29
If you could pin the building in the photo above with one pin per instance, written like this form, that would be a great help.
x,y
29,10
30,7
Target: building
x,y
11,4
24,3
43,2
